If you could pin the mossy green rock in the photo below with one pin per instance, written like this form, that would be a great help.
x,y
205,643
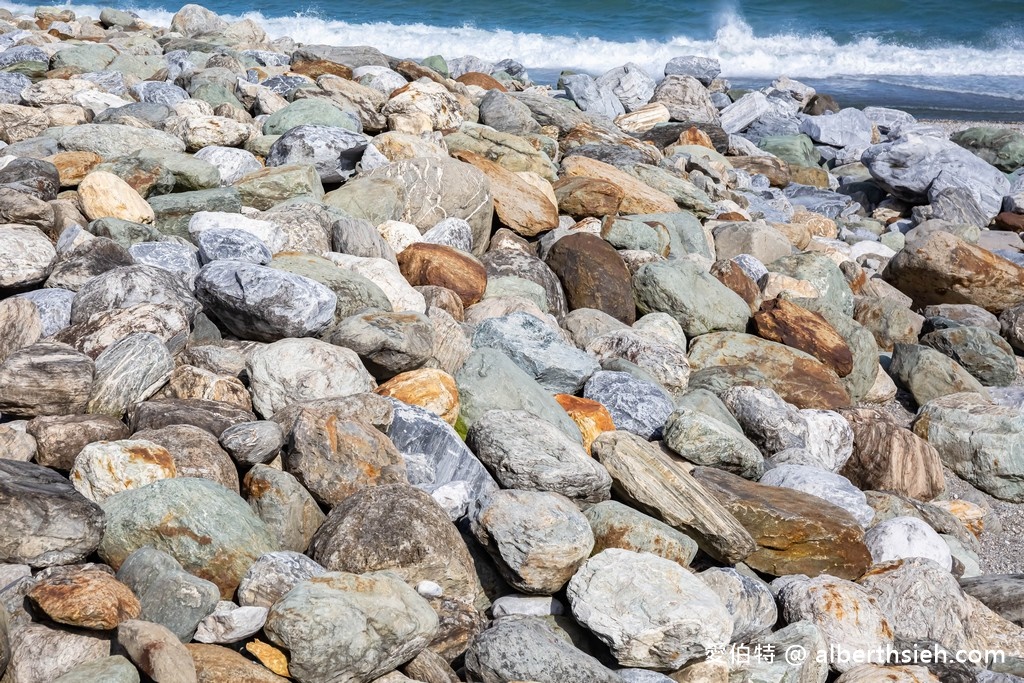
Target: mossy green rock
x,y
268,187
794,149
211,531
1001,147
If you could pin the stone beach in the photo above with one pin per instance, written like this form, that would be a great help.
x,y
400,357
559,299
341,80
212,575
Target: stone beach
x,y
326,365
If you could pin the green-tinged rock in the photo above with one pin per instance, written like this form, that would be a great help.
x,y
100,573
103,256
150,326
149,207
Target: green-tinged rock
x,y
1001,147
211,531
490,381
265,188
619,526
355,293
797,150
111,140
84,58
510,285
190,173
821,272
861,342
147,176
626,233
173,211
144,67
695,298
125,233
686,234
687,195
350,627
979,351
437,63
929,374
512,152
114,669
375,199
215,94
981,442
310,112
702,440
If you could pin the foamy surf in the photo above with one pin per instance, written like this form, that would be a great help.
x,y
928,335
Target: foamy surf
x,y
742,53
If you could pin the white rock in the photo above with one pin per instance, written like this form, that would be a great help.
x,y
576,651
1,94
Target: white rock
x,y
903,537
526,606
387,276
399,235
826,485
230,623
104,468
25,255
230,162
269,233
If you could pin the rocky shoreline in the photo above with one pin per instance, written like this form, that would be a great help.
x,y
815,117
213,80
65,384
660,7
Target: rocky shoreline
x,y
325,365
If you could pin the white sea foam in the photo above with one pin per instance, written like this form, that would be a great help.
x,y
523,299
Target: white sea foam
x,y
742,54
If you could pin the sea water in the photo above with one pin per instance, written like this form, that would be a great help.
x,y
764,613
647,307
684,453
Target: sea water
x,y
935,58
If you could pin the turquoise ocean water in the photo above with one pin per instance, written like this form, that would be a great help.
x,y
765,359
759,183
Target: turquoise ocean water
x,y
935,58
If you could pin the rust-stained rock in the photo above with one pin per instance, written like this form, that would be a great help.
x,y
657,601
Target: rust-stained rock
x,y
518,204
428,388
941,268
637,198
593,275
269,656
216,664
582,197
783,321
72,167
887,457
657,483
795,532
188,381
695,136
106,468
195,452
423,263
481,80
591,417
87,597
315,68
775,169
732,276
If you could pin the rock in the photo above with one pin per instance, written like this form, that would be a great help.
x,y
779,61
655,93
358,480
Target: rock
x,y
889,321
195,453
590,417
194,20
530,649
743,112
45,378
213,416
489,380
129,286
366,625
230,623
887,457
264,303
284,505
904,537
847,616
333,151
203,131
636,405
593,276
637,197
798,377
591,96
518,204
782,321
426,99
231,163
701,439
704,69
940,268
795,532
527,453
215,663
686,99
104,469
114,669
54,308
105,195
618,526
387,343
748,600
848,128
193,520
583,197
655,483
43,653
128,372
928,374
673,618
85,598
115,140
273,575
156,651
428,388
24,323
998,592
630,84
269,187
516,263
538,540
26,257
698,301
60,438
400,529
434,264
834,488
980,351
216,244
917,168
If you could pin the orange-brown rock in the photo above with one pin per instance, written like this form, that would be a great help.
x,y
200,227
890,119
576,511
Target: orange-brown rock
x,y
216,664
481,80
732,276
941,268
269,656
695,136
72,167
593,275
187,381
590,416
798,234
887,457
783,321
807,175
517,203
637,197
971,514
795,532
443,298
818,225
423,263
86,597
1014,222
413,71
588,197
428,388
776,170
315,68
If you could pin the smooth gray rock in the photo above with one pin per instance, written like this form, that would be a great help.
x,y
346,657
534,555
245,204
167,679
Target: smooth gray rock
x,y
1001,593
702,440
265,304
630,83
169,595
114,669
616,525
635,405
272,575
114,140
47,521
694,297
508,262
661,622
506,114
849,128
129,371
826,485
537,539
387,343
591,96
350,627
743,112
333,151
704,69
529,649
489,380
251,443
179,259
537,350
748,600
527,453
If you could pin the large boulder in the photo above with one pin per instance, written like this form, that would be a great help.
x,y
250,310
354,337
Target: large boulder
x,y
695,298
